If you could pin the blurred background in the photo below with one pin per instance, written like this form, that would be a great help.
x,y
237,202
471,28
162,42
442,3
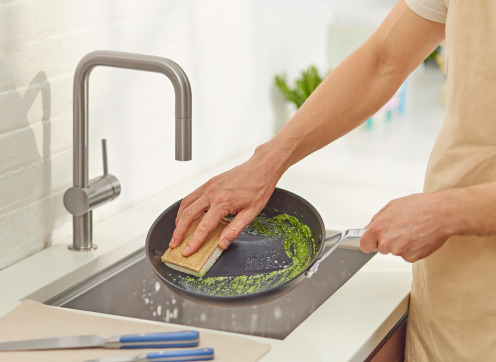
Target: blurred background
x,y
232,52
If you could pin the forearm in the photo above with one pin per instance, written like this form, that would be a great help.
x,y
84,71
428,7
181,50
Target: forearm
x,y
473,210
352,93
357,88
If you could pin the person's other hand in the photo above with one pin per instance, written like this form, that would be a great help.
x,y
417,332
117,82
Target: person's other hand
x,y
242,191
412,227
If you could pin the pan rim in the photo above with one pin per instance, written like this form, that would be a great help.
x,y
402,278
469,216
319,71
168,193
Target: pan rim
x,y
245,296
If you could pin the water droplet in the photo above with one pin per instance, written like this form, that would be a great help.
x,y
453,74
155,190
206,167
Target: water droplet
x,y
203,317
147,300
159,310
157,286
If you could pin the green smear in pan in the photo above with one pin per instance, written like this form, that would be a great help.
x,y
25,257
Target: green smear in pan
x,y
298,244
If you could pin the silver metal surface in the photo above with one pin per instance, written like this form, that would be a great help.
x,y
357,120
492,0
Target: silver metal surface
x,y
132,289
144,358
87,195
88,284
105,157
119,359
102,189
341,237
53,343
117,344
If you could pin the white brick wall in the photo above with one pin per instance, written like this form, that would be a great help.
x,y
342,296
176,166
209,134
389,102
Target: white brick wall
x,y
229,49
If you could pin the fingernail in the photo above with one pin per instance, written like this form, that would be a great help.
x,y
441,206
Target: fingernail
x,y
171,243
186,249
225,243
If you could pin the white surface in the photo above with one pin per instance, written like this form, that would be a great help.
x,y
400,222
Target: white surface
x,y
347,182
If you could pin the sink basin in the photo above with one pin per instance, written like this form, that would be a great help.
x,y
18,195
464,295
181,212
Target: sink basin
x,y
130,288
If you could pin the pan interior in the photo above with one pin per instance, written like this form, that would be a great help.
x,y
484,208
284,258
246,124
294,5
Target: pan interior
x,y
270,251
256,261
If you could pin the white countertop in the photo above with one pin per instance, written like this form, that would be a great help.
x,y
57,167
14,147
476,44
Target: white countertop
x,y
347,182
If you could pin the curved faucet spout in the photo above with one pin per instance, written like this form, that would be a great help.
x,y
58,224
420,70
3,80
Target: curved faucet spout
x,y
142,62
87,194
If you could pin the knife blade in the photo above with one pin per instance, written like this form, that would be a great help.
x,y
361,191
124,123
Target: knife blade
x,y
143,340
198,354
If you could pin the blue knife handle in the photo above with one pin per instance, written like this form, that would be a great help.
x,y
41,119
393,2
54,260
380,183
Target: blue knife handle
x,y
160,340
199,354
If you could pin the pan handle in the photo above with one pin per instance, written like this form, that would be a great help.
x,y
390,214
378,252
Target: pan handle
x,y
353,234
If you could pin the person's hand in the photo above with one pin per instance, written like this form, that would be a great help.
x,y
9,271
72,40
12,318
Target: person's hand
x,y
242,191
412,227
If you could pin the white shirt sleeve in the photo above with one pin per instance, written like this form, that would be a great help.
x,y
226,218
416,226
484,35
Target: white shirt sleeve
x,y
434,10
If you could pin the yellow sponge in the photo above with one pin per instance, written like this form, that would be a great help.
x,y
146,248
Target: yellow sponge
x,y
201,261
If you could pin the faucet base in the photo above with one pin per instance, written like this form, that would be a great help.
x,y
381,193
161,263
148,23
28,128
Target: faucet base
x,y
91,248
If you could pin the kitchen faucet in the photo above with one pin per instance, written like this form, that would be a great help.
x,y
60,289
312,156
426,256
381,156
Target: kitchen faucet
x,y
86,195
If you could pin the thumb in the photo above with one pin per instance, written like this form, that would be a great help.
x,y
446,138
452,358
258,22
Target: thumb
x,y
235,228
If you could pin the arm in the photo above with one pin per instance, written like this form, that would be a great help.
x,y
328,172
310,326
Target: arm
x,y
415,226
353,92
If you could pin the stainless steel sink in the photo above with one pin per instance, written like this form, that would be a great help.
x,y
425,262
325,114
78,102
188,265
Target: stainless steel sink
x,y
130,288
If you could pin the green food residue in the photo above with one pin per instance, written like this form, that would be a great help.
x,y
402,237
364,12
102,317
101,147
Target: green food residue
x,y
298,244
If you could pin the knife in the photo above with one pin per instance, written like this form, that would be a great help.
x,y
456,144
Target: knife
x,y
199,354
144,340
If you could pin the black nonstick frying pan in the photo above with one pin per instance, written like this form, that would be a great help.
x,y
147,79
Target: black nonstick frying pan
x,y
247,254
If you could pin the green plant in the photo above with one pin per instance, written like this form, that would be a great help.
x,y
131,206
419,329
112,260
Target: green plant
x,y
432,56
308,81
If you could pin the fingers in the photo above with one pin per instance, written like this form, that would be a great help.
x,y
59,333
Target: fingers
x,y
373,239
368,241
187,201
383,247
205,227
189,214
236,227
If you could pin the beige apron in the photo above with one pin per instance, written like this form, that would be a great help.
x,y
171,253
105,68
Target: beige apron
x,y
453,299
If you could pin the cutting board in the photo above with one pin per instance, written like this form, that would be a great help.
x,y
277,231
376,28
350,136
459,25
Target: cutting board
x,y
35,320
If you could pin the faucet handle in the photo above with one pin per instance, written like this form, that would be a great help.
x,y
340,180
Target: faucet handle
x,y
105,158
102,189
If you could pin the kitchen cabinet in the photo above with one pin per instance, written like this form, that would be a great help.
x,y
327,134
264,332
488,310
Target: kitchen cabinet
x,y
392,347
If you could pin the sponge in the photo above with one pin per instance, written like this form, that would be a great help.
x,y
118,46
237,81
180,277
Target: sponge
x,y
200,262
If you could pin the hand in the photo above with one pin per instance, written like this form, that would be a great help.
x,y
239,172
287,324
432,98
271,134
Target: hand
x,y
242,191
412,227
